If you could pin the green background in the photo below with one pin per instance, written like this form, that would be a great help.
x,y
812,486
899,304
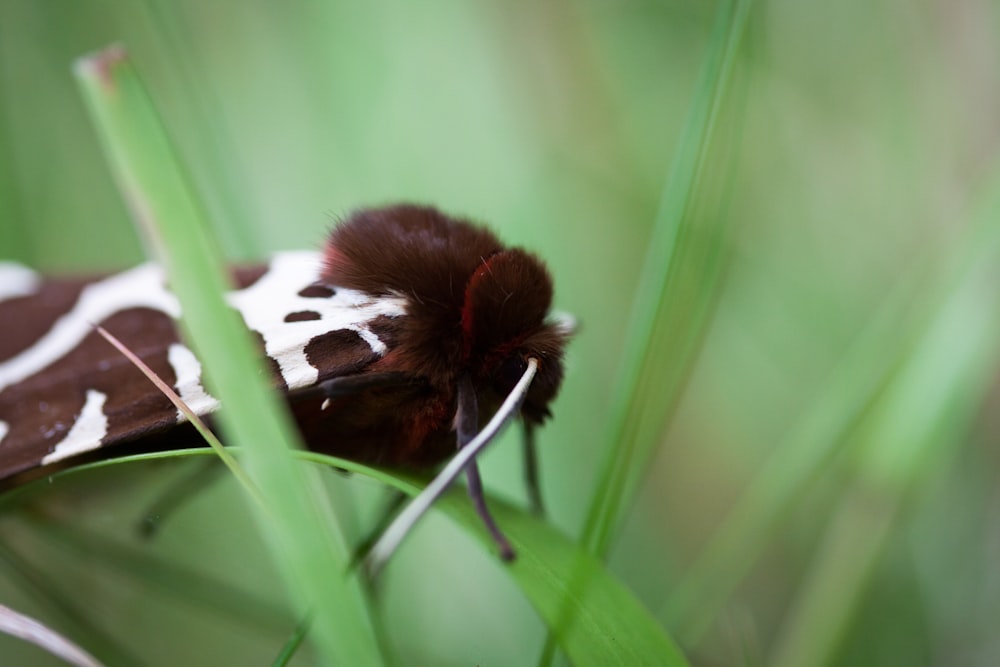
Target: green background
x,y
858,184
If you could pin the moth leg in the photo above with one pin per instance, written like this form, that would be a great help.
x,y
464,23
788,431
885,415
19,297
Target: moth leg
x,y
531,468
347,385
203,472
467,422
479,501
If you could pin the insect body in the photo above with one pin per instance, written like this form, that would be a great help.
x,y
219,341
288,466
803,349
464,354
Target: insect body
x,y
390,344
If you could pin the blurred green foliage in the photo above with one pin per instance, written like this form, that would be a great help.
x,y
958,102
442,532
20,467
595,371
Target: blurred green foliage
x,y
825,491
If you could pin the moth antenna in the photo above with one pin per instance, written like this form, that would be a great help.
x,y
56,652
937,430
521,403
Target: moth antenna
x,y
400,528
346,385
467,425
530,455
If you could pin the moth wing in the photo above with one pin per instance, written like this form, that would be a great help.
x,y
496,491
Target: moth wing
x,y
313,332
64,391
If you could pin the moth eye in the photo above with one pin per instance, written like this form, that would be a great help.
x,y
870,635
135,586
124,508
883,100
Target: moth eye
x,y
509,372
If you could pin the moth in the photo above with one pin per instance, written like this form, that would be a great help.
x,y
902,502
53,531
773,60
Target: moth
x,y
392,344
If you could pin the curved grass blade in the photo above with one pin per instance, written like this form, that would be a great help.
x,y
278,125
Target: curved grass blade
x,y
594,618
609,625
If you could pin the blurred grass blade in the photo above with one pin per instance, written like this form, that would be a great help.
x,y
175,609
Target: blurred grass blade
x,y
864,380
797,462
675,297
676,292
234,218
24,627
291,647
921,418
609,625
303,537
65,610
143,570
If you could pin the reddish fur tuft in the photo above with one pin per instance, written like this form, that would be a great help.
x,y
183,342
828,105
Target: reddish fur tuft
x,y
475,307
419,253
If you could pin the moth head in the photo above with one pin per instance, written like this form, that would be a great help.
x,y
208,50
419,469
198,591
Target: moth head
x,y
506,321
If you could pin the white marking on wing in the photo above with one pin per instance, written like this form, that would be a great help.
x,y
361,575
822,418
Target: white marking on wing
x,y
265,304
86,433
373,341
141,287
4,429
16,280
187,368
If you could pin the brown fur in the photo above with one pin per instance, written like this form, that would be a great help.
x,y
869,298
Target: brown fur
x,y
476,307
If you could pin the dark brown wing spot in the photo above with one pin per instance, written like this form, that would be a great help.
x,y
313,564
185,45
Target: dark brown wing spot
x,y
338,352
317,291
302,316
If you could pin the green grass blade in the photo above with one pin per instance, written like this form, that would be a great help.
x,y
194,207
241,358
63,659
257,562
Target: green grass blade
x,y
297,524
595,619
919,420
797,462
235,222
876,369
673,304
293,644
68,614
138,567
